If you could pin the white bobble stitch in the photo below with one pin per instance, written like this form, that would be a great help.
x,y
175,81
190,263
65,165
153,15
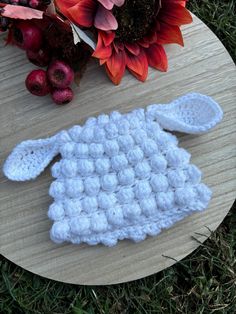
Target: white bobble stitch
x,y
69,168
142,170
126,176
74,187
111,130
134,122
109,182
203,192
132,211
140,114
57,190
67,150
139,136
142,189
149,147
75,133
176,178
99,222
86,134
159,182
184,196
59,231
106,200
115,116
126,142
96,150
115,216
56,170
177,157
111,147
123,126
153,128
125,195
165,139
80,225
119,162
91,122
137,236
109,241
165,200
153,230
135,155
85,167
148,206
99,135
81,150
102,166
91,186
103,119
63,137
158,163
90,204
72,207
56,211
193,174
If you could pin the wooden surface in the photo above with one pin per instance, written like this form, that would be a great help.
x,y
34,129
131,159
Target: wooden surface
x,y
203,66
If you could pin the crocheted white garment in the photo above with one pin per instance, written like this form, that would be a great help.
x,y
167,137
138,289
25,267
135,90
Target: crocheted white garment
x,y
121,176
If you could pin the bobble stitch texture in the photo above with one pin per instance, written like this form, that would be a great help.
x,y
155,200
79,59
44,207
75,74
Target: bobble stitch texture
x,y
121,176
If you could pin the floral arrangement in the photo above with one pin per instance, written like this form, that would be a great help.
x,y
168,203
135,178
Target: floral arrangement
x,y
63,34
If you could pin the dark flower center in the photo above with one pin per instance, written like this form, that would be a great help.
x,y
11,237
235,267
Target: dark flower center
x,y
135,18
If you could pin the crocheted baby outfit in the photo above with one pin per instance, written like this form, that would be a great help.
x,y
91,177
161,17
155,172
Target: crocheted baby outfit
x,y
121,176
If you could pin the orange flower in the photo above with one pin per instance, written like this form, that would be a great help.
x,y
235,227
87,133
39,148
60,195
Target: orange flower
x,y
117,53
90,12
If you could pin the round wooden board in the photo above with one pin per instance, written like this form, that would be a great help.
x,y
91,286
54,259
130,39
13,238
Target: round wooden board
x,y
203,66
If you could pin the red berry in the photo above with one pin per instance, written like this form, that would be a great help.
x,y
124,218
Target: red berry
x,y
34,3
40,58
37,83
27,36
60,74
62,96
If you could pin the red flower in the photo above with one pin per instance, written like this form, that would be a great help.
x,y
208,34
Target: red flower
x,y
136,56
90,12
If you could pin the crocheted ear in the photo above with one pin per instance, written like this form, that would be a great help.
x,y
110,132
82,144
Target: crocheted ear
x,y
30,158
193,113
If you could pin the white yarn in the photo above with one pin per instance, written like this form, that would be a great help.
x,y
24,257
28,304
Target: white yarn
x,y
121,176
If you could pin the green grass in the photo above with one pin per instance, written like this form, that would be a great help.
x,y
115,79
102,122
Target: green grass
x,y
204,282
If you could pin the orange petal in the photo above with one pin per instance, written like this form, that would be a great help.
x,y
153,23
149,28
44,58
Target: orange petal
x,y
115,66
83,12
138,65
104,19
174,14
101,51
133,48
143,43
157,58
107,37
64,5
181,2
151,37
169,34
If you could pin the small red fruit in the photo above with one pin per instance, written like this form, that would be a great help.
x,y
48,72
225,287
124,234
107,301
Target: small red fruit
x,y
34,4
40,58
62,96
37,83
60,74
27,36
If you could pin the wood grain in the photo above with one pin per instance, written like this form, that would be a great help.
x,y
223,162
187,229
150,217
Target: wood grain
x,y
203,66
